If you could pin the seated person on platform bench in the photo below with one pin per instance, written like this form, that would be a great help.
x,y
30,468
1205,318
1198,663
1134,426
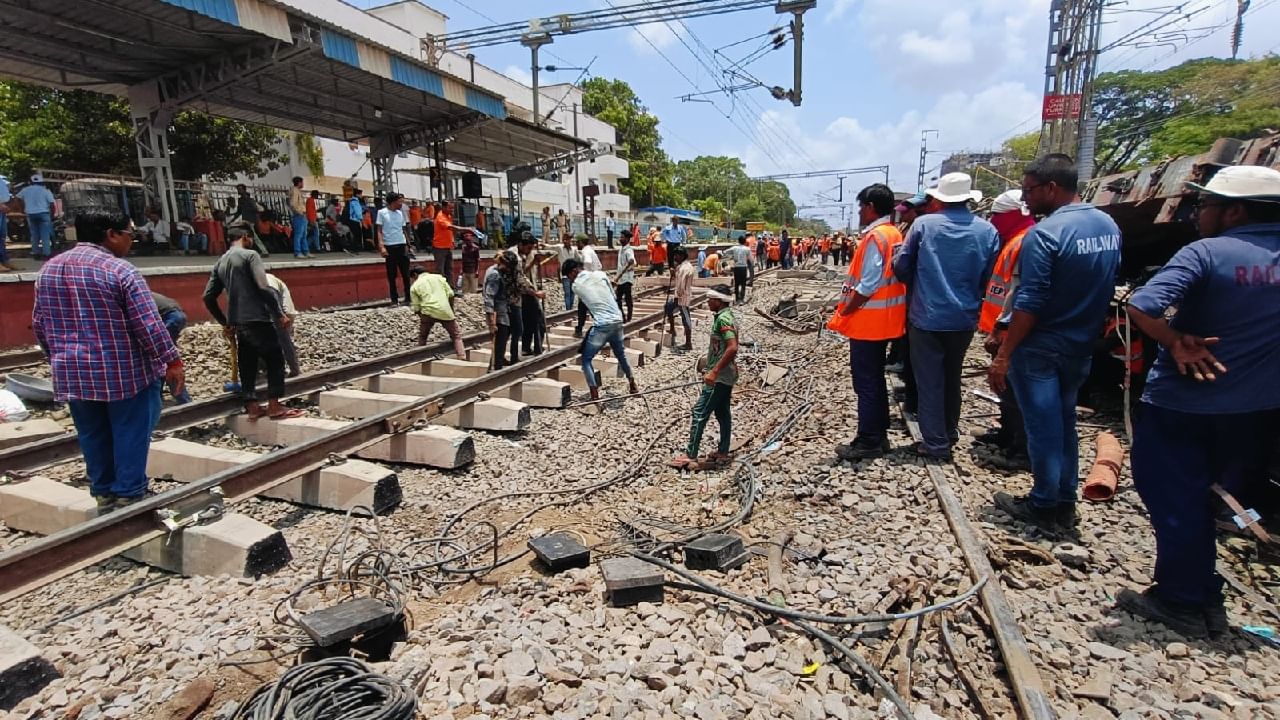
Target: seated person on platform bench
x,y
190,241
156,231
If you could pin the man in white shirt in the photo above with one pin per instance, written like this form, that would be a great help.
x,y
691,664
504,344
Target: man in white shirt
x,y
37,204
389,237
590,261
564,254
740,257
625,276
594,290
157,229
609,226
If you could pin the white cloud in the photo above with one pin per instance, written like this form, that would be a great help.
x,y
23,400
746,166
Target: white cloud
x,y
519,74
838,9
645,38
965,120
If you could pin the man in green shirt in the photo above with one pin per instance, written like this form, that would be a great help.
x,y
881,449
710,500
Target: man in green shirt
x,y
717,388
432,301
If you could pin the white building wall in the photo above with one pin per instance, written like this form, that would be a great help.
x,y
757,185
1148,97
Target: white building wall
x,y
400,26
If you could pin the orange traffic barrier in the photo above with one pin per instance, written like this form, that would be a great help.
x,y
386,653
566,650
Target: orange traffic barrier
x,y
1105,474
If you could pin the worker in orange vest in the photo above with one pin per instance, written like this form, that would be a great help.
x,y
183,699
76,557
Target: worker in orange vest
x,y
873,312
824,247
774,251
1012,221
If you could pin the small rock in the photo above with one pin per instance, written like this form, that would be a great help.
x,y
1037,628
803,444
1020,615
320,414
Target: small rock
x,y
193,699
1106,652
734,646
1071,555
491,691
1097,688
758,638
523,689
563,677
1177,650
517,663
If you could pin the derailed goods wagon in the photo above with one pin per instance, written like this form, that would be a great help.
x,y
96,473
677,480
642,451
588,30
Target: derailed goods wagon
x,y
1156,215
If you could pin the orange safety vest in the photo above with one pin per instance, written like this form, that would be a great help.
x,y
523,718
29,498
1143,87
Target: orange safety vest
x,y
884,315
998,285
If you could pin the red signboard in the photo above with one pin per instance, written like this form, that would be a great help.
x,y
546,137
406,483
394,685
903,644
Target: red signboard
x,y
1061,107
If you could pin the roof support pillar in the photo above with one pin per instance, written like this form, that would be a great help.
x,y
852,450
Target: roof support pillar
x,y
382,154
151,120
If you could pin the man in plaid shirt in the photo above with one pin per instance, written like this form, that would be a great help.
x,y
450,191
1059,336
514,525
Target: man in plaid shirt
x,y
96,320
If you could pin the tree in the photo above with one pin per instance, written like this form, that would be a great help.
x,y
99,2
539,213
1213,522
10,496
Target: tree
x,y
90,132
724,179
713,211
614,102
1144,117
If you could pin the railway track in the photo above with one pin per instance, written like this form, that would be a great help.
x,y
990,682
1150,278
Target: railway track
x,y
44,559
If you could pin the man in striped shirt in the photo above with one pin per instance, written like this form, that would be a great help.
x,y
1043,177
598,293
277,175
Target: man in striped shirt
x,y
107,345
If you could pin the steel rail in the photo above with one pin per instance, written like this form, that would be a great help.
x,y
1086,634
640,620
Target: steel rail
x,y
45,559
31,456
1028,687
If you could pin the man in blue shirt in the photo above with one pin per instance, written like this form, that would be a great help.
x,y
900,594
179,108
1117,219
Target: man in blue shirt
x,y
1067,281
5,197
674,236
1212,400
784,249
37,203
945,260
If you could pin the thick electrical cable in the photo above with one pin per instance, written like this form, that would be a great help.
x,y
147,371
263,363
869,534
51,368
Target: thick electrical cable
x,y
339,688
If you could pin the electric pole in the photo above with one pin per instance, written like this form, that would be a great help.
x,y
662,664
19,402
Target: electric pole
x,y
924,156
1071,61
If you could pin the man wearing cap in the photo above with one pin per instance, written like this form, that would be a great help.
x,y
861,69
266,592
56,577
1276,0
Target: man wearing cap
x,y
594,289
1066,282
1212,400
873,312
37,204
946,260
720,372
1012,220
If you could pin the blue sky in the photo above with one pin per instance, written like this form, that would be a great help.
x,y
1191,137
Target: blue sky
x,y
876,73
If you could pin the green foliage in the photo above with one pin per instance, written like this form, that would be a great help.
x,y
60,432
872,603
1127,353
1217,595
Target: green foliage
x,y
89,132
310,152
713,211
614,102
1145,117
724,179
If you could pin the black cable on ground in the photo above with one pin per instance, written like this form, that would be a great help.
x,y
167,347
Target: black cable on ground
x,y
338,688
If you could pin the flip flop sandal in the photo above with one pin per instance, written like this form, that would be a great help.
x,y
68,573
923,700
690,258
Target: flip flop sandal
x,y
683,462
290,413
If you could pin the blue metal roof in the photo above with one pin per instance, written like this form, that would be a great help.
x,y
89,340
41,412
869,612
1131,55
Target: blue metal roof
x,y
678,212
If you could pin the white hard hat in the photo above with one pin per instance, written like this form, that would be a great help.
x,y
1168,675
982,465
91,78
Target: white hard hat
x,y
1008,201
1243,181
955,187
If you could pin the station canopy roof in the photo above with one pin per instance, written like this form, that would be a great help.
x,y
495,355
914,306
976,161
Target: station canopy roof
x,y
260,62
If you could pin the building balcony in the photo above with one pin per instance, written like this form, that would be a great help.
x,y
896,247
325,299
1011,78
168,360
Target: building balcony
x,y
617,202
609,167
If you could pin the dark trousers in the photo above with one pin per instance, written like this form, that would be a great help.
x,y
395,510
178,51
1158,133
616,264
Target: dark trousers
x,y
1011,423
397,262
258,341
531,318
866,364
740,284
1177,457
444,264
357,235
508,335
114,438
625,301
655,269
937,359
582,315
1046,385
609,238
714,400
910,396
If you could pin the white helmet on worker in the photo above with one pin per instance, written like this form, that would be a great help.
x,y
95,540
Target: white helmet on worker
x,y
1008,201
1245,182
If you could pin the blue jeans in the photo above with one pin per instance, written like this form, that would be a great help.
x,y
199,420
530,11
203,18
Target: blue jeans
x,y
175,321
313,236
40,226
597,338
4,238
866,364
299,234
114,437
567,284
1046,386
1177,457
201,242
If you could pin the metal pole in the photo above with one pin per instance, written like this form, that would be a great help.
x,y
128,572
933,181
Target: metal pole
x,y
924,154
537,119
